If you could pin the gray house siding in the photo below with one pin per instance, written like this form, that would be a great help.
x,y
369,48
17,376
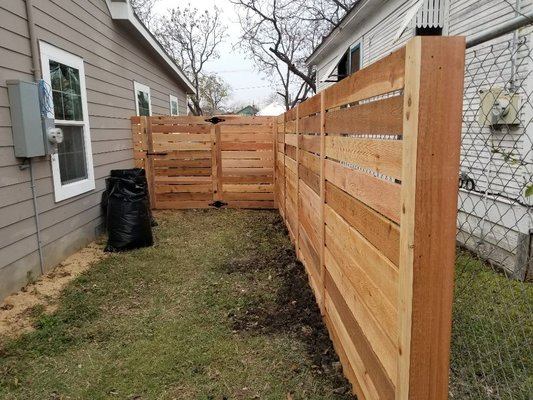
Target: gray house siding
x,y
113,59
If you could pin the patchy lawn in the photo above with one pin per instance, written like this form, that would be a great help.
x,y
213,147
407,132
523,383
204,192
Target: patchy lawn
x,y
492,338
217,309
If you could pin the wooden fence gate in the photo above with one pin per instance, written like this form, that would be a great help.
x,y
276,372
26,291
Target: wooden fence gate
x,y
203,162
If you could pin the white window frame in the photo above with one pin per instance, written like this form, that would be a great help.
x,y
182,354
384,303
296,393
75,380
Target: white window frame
x,y
172,98
139,87
68,190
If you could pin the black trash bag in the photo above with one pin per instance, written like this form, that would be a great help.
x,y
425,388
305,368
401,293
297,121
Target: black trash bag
x,y
136,174
128,211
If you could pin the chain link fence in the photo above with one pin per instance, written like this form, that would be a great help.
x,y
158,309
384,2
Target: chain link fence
x,y
492,338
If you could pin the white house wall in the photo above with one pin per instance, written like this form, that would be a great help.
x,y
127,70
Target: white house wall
x,y
499,222
375,33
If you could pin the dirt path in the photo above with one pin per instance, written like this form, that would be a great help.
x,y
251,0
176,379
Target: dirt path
x,y
16,309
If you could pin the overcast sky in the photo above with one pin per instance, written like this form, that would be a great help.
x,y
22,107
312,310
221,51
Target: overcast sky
x,y
247,85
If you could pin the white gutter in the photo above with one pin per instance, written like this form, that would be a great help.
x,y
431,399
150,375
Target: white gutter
x,y
121,11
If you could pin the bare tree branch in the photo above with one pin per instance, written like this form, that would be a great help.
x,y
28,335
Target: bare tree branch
x,y
192,38
279,35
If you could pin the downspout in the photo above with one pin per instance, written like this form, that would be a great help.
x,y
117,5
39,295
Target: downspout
x,y
36,68
514,68
36,76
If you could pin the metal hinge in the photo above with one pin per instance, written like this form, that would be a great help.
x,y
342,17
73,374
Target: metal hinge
x,y
218,204
215,120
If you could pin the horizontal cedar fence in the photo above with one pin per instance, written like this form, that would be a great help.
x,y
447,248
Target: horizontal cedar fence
x,y
191,162
366,181
365,177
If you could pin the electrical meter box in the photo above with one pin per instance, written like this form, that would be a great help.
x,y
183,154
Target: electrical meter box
x,y
26,119
499,107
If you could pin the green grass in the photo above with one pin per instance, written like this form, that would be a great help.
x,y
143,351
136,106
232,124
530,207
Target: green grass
x,y
157,323
154,323
492,338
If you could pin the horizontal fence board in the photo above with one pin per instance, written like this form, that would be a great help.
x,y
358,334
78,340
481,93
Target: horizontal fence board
x,y
162,147
182,196
183,179
182,163
309,202
260,205
290,152
238,146
248,129
247,196
370,372
347,368
181,205
291,165
243,120
382,117
380,344
228,171
386,316
183,189
376,267
246,188
178,120
383,196
309,124
183,155
310,178
378,230
385,76
309,106
158,130
311,255
291,140
381,156
240,155
248,163
247,137
246,179
310,161
162,138
182,171
310,143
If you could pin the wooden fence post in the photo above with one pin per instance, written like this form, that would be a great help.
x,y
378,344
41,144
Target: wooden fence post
x,y
216,161
284,170
433,99
322,199
297,233
274,121
146,123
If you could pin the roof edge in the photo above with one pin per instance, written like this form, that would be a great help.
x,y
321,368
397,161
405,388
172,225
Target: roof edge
x,y
343,23
121,11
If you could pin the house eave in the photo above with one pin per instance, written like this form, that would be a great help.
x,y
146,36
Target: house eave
x,y
122,12
342,30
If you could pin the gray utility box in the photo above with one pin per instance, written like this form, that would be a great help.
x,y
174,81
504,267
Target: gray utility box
x,y
26,119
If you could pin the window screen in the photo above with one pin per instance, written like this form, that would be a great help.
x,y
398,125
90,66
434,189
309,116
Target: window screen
x,y
66,92
71,153
143,102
